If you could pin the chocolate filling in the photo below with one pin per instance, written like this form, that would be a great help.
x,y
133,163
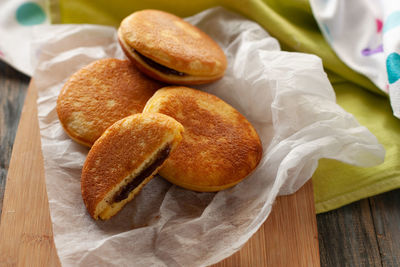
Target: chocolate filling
x,y
158,66
123,193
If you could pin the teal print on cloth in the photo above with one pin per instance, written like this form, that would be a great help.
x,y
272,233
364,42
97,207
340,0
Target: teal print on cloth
x,y
393,67
30,13
392,21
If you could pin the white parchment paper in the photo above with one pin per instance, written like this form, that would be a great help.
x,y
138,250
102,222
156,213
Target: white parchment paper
x,y
286,96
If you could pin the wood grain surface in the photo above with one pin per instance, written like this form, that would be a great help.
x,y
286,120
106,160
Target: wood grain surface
x,y
12,94
25,230
289,238
386,217
364,233
354,223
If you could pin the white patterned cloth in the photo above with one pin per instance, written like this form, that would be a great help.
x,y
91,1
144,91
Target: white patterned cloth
x,y
17,18
365,34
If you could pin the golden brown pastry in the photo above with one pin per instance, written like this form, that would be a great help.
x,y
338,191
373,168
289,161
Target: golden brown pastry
x,y
100,94
169,49
219,147
124,159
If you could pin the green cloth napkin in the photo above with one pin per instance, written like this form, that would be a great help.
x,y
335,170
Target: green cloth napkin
x,y
292,23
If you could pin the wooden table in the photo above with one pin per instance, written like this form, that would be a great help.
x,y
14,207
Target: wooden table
x,y
365,233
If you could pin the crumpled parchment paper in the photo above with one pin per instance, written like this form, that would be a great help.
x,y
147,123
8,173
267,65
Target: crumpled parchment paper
x,y
286,96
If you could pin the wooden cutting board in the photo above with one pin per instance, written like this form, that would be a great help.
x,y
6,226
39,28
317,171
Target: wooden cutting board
x,y
287,238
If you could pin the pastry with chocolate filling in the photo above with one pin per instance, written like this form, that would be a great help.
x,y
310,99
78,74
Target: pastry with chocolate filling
x,y
126,156
219,147
100,94
169,49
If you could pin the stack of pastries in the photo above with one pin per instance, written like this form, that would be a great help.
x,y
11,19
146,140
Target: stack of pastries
x,y
139,119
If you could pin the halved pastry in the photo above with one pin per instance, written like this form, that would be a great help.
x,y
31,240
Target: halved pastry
x,y
124,159
169,49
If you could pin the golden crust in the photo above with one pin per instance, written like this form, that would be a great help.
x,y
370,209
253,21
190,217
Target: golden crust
x,y
99,94
219,147
172,42
121,151
160,76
